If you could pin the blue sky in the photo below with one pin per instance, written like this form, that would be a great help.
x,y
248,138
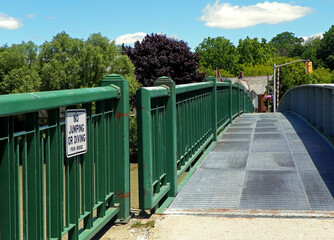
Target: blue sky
x,y
187,20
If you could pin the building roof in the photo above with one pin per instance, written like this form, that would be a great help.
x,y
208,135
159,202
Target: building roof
x,y
255,83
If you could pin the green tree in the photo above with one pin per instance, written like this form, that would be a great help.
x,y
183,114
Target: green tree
x,y
312,46
20,80
326,49
320,75
253,52
59,61
213,72
19,68
68,63
258,69
219,53
286,44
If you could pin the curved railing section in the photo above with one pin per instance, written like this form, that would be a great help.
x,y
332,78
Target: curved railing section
x,y
175,126
314,102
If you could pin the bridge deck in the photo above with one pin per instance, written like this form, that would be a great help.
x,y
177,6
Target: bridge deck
x,y
263,162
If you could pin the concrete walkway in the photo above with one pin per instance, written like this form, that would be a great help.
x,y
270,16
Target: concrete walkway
x,y
264,165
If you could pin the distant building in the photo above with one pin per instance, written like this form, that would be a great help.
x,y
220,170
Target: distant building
x,y
256,86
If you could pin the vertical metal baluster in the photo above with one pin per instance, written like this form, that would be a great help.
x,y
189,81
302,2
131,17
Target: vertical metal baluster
x,y
88,171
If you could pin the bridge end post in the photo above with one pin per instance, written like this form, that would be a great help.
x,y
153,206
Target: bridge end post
x,y
144,123
121,146
170,134
214,106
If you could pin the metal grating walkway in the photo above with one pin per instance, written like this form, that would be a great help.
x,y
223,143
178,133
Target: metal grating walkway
x,y
264,163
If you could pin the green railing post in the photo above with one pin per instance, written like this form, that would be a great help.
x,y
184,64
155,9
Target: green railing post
x,y
9,183
144,124
171,146
238,98
88,171
72,165
33,188
244,99
54,176
121,146
214,104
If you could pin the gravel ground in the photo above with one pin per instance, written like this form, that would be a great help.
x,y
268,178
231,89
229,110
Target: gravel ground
x,y
199,227
176,227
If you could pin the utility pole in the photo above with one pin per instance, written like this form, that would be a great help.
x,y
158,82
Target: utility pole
x,y
275,100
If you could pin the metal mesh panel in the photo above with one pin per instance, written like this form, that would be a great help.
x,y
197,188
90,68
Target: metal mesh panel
x,y
226,160
281,164
211,188
273,190
270,161
236,137
232,146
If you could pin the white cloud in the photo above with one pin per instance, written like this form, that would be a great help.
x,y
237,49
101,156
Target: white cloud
x,y
130,38
31,15
317,35
228,16
8,22
174,37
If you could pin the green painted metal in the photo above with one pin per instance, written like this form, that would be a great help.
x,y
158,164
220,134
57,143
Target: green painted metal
x,y
176,124
314,102
9,182
75,187
224,104
170,136
214,105
121,170
28,102
195,123
235,100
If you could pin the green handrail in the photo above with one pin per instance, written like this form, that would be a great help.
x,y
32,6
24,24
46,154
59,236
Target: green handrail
x,y
176,126
35,173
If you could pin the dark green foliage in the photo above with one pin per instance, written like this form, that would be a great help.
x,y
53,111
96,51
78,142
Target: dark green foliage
x,y
311,47
133,137
73,63
219,53
287,44
19,68
158,55
252,52
62,63
326,49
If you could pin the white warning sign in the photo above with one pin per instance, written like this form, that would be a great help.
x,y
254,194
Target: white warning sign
x,y
76,132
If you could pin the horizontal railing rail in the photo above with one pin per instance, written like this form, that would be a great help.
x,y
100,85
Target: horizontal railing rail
x,y
175,126
44,194
314,102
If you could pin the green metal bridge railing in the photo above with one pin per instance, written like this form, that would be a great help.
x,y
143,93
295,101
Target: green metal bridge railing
x,y
44,194
176,124
314,102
